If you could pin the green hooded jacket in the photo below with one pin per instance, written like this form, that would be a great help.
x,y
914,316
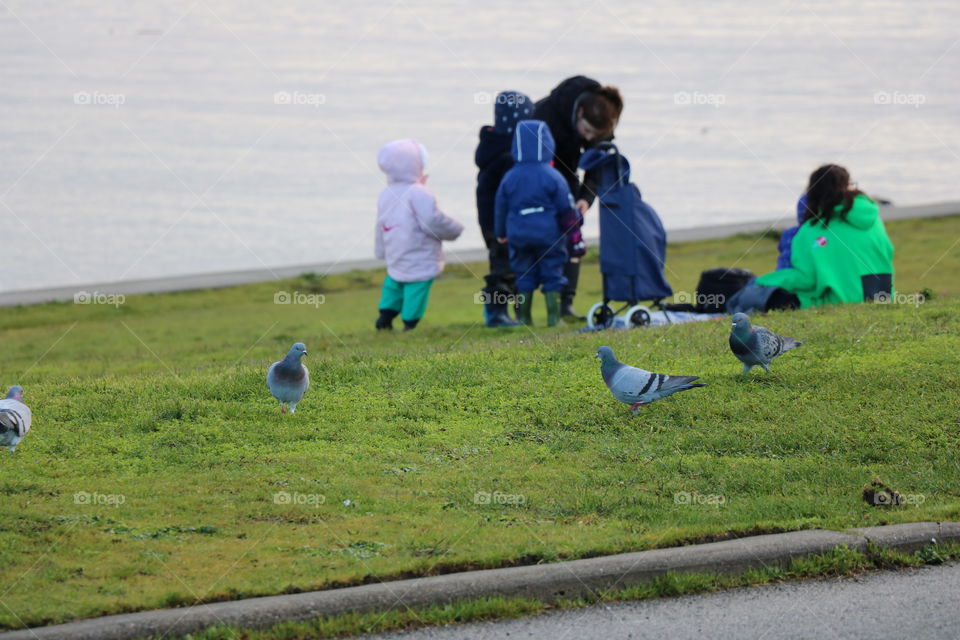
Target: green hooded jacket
x,y
849,260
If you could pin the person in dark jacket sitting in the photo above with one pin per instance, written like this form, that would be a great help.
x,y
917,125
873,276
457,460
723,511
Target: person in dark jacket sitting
x,y
494,160
580,112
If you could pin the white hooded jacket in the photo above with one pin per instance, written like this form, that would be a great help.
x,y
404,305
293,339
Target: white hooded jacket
x,y
410,227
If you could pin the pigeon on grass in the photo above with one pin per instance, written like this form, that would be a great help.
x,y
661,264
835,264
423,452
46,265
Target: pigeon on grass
x,y
637,387
15,418
756,346
288,380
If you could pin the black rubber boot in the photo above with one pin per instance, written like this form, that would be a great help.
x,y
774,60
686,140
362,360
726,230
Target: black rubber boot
x,y
385,321
495,315
410,325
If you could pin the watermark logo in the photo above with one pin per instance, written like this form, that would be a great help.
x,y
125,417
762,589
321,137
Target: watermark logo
x,y
899,98
498,497
97,297
686,98
886,499
99,99
694,498
299,98
311,499
111,499
915,299
298,297
700,299
497,297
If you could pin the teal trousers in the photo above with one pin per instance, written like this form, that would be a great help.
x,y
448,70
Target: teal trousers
x,y
409,299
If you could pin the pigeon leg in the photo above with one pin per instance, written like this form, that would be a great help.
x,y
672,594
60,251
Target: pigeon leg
x,y
283,409
636,407
293,407
746,368
766,368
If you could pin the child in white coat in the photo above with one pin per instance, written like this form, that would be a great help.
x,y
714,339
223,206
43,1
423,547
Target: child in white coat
x,y
409,234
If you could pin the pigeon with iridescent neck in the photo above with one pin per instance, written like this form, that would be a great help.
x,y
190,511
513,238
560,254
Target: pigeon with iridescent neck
x,y
637,387
15,418
756,346
288,380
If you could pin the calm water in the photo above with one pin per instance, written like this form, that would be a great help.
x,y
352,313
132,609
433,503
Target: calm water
x,y
149,139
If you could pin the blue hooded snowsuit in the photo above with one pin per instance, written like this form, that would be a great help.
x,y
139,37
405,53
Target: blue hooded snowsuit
x,y
530,201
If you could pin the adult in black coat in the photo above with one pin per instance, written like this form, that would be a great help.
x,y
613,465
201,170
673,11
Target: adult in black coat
x,y
580,113
493,160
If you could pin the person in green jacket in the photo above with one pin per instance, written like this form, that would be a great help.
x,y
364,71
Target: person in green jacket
x,y
841,252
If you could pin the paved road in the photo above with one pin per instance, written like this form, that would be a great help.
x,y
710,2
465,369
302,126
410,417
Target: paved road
x,y
918,604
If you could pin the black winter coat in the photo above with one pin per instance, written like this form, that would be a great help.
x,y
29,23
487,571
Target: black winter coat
x,y
494,160
557,110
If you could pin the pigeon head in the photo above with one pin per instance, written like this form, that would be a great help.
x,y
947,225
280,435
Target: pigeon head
x,y
741,322
297,350
15,392
606,356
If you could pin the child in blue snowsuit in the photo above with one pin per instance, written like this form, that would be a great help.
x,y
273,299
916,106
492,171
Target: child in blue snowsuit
x,y
532,203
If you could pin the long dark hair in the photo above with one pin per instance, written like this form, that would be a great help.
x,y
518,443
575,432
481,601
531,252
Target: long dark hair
x,y
829,187
602,109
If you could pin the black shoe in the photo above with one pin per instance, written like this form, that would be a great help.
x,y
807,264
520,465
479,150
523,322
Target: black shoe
x,y
385,321
410,325
567,312
495,315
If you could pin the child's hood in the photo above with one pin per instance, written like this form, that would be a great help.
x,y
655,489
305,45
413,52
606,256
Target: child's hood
x,y
532,142
403,160
864,212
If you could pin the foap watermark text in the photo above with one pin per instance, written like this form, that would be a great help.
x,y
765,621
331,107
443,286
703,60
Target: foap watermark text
x,y
98,297
95,498
499,497
299,297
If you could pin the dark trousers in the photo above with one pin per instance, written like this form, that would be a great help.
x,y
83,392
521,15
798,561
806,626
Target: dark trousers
x,y
501,279
539,266
572,272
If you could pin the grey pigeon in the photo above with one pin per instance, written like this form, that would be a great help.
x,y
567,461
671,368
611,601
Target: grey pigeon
x,y
15,418
288,380
637,387
755,345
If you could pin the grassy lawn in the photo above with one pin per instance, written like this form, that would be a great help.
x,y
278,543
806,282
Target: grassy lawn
x,y
193,487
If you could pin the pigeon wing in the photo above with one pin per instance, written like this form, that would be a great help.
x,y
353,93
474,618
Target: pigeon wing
x,y
630,384
770,344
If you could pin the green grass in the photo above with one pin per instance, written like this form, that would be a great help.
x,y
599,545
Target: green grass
x,y
841,561
160,408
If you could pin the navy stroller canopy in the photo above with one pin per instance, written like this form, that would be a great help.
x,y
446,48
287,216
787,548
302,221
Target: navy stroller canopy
x,y
633,243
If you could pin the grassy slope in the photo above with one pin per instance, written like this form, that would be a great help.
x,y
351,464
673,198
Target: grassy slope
x,y
162,401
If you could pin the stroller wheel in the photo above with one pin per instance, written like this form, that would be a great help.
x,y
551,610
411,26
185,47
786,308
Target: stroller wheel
x,y
600,316
638,316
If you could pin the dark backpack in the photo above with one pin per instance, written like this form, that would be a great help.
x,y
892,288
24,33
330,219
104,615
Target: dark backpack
x,y
718,285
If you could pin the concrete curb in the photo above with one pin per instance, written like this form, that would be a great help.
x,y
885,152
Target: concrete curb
x,y
248,276
547,582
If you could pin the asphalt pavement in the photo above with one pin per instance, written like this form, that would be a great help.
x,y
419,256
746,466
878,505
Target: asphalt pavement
x,y
916,604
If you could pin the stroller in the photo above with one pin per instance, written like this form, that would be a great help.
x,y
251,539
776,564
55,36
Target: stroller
x,y
633,244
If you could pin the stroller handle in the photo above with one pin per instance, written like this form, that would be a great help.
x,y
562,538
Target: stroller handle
x,y
611,149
